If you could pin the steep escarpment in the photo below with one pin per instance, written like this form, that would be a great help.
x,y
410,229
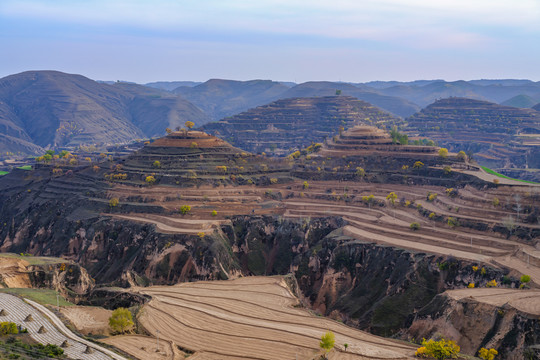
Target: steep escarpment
x,y
504,319
296,122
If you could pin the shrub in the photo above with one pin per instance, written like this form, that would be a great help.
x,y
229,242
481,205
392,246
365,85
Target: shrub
x,y
415,226
194,145
404,167
432,215
462,156
492,283
8,328
441,349
471,285
483,271
150,180
213,213
121,320
113,202
391,197
451,192
525,278
443,152
475,268
431,196
328,341
221,168
496,201
201,234
157,164
273,181
418,165
360,172
487,354
185,209
305,185
452,222
447,169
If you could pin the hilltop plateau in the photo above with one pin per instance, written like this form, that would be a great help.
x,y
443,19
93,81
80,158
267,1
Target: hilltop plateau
x,y
50,109
296,122
371,230
497,135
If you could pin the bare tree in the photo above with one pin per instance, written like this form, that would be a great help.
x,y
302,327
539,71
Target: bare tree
x,y
509,223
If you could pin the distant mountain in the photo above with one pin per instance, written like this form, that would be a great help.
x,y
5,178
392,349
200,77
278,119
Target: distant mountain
x,y
488,90
387,84
520,101
500,135
395,105
222,98
291,123
536,107
171,85
44,109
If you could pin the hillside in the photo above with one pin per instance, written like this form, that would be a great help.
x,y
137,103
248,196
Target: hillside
x,y
392,104
296,122
190,207
520,101
497,135
221,98
424,93
44,109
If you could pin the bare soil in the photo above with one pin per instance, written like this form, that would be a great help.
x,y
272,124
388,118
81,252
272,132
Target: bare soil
x,y
88,319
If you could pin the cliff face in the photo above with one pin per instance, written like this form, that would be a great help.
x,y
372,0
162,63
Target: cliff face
x,y
475,323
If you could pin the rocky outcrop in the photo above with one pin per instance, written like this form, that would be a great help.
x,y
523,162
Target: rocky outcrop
x,y
475,323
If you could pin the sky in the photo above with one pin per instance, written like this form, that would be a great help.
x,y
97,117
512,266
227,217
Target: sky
x,y
282,40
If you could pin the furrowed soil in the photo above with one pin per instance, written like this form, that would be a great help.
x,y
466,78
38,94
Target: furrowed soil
x,y
253,318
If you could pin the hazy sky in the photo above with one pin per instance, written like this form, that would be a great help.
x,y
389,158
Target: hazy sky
x,y
290,40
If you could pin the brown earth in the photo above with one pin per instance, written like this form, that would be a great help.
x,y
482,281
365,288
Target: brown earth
x,y
252,318
144,347
87,319
14,273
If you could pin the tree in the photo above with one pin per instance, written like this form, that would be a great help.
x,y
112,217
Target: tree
x,y
392,198
113,202
150,180
509,223
415,226
121,320
213,213
168,131
525,279
7,328
360,172
305,185
185,209
338,92
418,165
327,342
487,354
462,156
441,349
189,124
443,152
156,164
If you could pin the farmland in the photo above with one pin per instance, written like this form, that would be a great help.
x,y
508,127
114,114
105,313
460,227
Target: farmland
x,y
252,318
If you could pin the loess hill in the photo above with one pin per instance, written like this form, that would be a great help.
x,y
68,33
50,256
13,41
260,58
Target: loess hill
x,y
296,122
324,214
498,135
44,109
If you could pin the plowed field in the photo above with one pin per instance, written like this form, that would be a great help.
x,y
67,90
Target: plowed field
x,y
253,318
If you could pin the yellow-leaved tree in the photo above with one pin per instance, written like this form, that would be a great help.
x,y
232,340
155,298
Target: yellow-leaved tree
x,y
121,320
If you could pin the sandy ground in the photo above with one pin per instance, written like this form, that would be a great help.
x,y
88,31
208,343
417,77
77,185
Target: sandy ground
x,y
13,273
88,319
524,300
252,318
144,347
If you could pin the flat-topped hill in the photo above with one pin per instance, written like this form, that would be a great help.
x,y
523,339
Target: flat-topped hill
x,y
189,157
296,122
495,133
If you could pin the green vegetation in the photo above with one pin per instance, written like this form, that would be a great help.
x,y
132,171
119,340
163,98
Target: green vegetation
x,y
392,198
213,213
150,180
16,348
487,354
42,296
443,152
441,349
8,328
189,124
33,260
113,202
525,278
492,172
415,226
121,320
185,209
3,173
328,341
156,164
398,137
25,167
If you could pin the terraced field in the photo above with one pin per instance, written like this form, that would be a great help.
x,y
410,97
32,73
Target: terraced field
x,y
252,318
43,331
